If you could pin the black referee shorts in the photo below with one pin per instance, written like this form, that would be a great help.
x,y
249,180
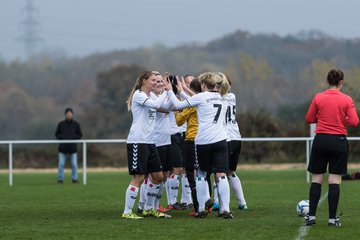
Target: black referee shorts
x,y
329,150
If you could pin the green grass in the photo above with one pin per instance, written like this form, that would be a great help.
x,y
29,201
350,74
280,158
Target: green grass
x,y
38,208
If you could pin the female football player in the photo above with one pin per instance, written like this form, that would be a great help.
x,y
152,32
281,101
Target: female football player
x,y
211,147
332,111
189,116
143,157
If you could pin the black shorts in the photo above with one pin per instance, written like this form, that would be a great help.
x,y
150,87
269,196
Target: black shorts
x,y
143,159
213,158
175,150
164,153
234,148
329,150
189,155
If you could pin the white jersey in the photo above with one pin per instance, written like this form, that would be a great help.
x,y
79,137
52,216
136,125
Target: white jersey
x,y
143,110
231,123
174,128
211,111
183,127
162,124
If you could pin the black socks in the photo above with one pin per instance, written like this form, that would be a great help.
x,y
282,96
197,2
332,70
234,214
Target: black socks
x,y
314,195
333,199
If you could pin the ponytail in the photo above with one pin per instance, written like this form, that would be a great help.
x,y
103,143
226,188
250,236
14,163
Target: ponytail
x,y
138,84
223,84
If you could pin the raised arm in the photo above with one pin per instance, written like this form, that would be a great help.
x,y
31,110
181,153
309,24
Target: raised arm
x,y
183,116
177,103
184,95
187,91
155,103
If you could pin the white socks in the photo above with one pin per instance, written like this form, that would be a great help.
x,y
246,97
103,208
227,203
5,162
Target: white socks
x,y
167,188
202,192
143,194
130,198
174,188
151,193
216,193
224,194
235,184
185,190
159,195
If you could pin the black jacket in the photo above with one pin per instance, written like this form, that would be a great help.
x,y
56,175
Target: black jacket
x,y
68,130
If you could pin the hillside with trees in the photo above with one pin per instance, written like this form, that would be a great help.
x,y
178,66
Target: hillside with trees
x,y
274,79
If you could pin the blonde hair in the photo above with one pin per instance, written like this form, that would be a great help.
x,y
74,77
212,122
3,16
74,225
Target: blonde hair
x,y
224,85
215,81
138,84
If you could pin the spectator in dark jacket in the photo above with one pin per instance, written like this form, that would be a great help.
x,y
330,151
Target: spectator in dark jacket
x,y
68,129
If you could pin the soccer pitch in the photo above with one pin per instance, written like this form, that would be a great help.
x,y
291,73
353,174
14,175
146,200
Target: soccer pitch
x,y
36,207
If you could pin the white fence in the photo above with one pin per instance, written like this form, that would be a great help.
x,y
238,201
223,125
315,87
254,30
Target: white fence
x,y
84,143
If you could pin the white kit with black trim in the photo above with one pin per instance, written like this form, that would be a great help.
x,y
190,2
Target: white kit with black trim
x,y
231,123
143,110
211,111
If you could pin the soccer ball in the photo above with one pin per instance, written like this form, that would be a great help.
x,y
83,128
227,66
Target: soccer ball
x,y
302,208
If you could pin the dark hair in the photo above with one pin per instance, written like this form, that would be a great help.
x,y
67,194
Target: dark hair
x,y
195,85
334,77
69,109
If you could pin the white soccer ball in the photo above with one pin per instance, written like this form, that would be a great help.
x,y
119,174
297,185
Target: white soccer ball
x,y
302,208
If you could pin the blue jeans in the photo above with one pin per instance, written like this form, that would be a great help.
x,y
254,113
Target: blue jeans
x,y
62,158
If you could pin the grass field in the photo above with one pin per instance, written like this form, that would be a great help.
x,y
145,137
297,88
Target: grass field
x,y
38,208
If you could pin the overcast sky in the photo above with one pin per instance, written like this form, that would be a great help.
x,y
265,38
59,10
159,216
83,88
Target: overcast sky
x,y
82,27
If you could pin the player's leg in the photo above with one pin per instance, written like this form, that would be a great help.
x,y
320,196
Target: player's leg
x,y
337,167
189,156
234,180
130,196
216,205
154,168
219,164
137,164
142,199
333,199
317,166
174,183
202,188
176,163
164,152
186,199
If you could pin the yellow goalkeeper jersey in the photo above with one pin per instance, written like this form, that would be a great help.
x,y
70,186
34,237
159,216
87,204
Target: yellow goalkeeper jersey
x,y
189,116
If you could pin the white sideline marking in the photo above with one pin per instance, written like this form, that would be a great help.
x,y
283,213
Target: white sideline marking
x,y
303,231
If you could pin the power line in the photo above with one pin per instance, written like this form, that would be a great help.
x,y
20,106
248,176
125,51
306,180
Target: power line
x,y
30,26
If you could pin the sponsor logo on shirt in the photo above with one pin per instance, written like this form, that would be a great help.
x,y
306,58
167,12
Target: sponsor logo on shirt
x,y
152,114
214,99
